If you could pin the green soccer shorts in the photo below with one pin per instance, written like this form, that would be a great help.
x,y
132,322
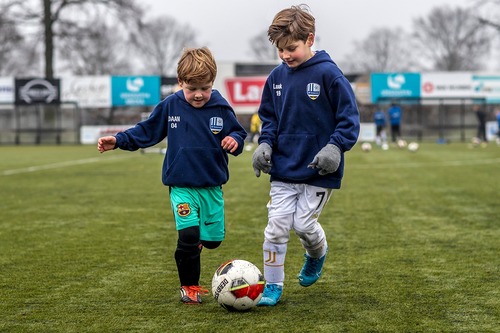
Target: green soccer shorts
x,y
199,206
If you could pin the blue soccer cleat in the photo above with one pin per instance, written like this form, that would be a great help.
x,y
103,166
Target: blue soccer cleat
x,y
311,271
271,295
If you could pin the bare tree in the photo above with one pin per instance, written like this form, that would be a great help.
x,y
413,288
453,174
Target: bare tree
x,y
489,13
262,48
160,43
17,55
10,39
88,51
384,50
48,20
452,39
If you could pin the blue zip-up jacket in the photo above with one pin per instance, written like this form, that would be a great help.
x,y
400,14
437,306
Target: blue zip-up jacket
x,y
302,110
379,118
194,155
395,114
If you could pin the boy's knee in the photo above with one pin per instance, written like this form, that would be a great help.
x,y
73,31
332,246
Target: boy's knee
x,y
278,229
189,240
211,244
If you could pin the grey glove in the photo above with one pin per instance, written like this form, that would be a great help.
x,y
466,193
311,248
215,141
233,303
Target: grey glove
x,y
327,160
261,159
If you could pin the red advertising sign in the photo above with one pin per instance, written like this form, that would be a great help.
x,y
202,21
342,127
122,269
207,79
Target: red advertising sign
x,y
245,91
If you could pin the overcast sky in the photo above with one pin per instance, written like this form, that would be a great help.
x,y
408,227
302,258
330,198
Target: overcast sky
x,y
226,26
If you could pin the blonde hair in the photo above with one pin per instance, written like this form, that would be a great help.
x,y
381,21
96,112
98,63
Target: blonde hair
x,y
197,65
291,24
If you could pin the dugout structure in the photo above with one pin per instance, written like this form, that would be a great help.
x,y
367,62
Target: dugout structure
x,y
433,119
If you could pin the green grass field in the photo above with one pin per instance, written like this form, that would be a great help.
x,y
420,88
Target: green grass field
x,y
87,243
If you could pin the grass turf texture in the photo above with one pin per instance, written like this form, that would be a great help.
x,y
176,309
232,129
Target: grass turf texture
x,y
87,243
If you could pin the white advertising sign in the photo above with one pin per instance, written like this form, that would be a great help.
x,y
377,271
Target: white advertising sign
x,y
491,130
367,132
446,85
7,90
87,91
90,134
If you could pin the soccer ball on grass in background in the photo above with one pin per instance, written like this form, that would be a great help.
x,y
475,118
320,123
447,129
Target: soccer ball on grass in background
x,y
401,143
237,285
366,146
413,146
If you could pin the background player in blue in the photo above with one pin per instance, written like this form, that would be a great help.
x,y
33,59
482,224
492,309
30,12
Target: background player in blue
x,y
395,119
309,119
379,119
497,115
201,129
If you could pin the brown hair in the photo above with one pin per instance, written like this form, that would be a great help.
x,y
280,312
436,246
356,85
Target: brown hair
x,y
291,24
197,66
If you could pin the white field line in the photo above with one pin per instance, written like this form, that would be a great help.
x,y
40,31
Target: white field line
x,y
356,167
60,165
420,165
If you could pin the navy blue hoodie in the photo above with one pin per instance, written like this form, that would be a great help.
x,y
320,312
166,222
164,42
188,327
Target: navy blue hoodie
x,y
194,155
302,110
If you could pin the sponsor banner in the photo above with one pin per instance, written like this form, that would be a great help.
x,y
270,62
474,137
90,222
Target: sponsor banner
x,y
367,132
37,91
135,90
90,134
7,90
487,86
169,86
244,91
362,92
87,91
447,85
386,86
491,130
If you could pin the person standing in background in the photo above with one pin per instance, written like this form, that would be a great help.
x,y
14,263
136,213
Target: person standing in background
x,y
380,123
395,114
481,123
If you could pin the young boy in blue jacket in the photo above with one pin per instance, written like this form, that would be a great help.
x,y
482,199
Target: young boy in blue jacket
x,y
201,128
309,119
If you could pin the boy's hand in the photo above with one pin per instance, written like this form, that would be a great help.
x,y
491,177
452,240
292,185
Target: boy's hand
x,y
229,144
327,160
261,159
106,143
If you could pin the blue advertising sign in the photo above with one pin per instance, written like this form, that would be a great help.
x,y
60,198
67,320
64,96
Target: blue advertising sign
x,y
394,86
135,90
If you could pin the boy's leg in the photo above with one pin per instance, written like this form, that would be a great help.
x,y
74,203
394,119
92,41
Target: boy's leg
x,y
276,236
185,207
187,256
309,207
274,259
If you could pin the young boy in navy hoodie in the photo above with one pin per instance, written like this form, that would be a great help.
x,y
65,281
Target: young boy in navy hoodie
x,y
201,128
309,119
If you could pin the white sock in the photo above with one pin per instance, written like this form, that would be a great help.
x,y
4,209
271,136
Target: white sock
x,y
274,262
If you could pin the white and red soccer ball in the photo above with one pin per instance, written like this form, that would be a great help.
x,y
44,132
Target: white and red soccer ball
x,y
237,285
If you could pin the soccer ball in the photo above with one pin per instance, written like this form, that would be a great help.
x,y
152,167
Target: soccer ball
x,y
401,143
366,146
413,146
237,285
